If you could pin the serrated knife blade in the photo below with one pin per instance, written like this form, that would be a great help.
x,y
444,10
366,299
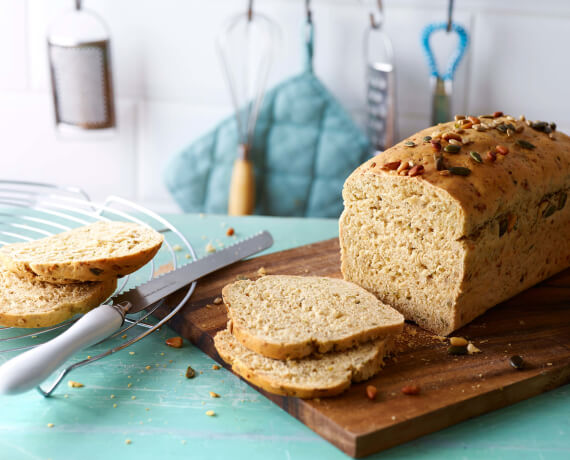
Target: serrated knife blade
x,y
158,288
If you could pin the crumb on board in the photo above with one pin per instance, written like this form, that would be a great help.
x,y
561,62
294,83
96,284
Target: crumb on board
x,y
124,336
164,269
210,413
133,397
214,395
177,248
188,256
50,425
131,353
210,248
114,405
128,441
129,385
472,349
112,396
73,384
215,367
218,301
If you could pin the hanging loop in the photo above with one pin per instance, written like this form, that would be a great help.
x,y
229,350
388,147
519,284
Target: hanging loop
x,y
376,20
454,58
250,10
309,31
449,15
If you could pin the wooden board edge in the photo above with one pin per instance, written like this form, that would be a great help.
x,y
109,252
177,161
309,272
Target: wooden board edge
x,y
407,430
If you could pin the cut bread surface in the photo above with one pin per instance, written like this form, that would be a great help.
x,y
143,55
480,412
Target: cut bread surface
x,y
282,317
315,376
96,252
30,303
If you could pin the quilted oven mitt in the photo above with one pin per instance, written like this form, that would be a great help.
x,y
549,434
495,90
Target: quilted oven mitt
x,y
305,145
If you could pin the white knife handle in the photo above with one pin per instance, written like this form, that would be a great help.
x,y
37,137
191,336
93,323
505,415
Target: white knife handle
x,y
29,369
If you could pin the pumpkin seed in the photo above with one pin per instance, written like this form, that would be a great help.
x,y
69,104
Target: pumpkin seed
x,y
476,157
549,211
525,144
517,362
562,200
547,129
539,125
190,373
459,171
503,225
439,162
502,128
486,116
553,126
453,350
410,144
452,148
427,139
510,126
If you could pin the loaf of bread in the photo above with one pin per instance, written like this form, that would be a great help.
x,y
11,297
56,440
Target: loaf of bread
x,y
96,252
285,317
459,217
315,376
30,303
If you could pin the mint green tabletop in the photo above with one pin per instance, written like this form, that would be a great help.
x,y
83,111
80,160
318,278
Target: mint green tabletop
x,y
137,404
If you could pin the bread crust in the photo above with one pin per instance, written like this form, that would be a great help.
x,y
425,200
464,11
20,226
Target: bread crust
x,y
300,349
19,257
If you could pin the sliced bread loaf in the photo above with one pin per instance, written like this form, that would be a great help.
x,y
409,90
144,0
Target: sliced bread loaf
x,y
31,303
95,252
311,377
285,317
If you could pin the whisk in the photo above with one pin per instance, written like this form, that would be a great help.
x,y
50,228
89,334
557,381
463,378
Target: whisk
x,y
246,47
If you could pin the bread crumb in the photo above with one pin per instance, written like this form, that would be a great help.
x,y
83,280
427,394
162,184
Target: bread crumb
x,y
201,215
214,395
183,441
129,385
210,248
210,413
148,368
114,405
177,248
133,397
549,364
188,256
218,301
164,269
521,322
261,271
50,425
393,417
112,396
230,231
471,349
88,356
73,384
131,353
128,441
124,336
215,367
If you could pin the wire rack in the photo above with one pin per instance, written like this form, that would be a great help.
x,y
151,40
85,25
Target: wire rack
x,y
30,210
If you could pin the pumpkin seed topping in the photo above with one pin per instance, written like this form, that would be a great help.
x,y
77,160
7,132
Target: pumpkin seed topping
x,y
525,144
549,211
562,200
427,139
459,171
452,148
410,144
476,157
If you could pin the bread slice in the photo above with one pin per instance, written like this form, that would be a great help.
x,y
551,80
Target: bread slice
x,y
285,317
31,303
95,252
311,377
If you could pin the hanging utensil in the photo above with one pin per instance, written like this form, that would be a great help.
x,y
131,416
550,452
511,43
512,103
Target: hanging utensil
x,y
246,48
380,83
80,68
442,85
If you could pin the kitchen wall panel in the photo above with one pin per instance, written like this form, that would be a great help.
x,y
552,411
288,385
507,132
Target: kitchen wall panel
x,y
170,87
32,150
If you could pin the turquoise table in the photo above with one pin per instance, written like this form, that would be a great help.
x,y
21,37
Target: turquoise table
x,y
163,414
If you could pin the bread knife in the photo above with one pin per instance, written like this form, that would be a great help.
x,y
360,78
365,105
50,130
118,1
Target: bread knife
x,y
31,368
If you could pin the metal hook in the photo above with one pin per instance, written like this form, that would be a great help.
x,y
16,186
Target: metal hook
x,y
250,10
77,5
374,23
449,15
309,12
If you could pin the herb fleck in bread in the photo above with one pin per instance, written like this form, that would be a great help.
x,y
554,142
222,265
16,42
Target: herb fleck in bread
x,y
486,217
311,377
285,317
95,252
26,302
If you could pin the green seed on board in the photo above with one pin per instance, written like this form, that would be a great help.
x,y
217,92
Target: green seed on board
x,y
517,362
526,145
459,171
476,157
452,148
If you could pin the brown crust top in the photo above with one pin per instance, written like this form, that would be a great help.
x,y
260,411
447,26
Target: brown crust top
x,y
492,187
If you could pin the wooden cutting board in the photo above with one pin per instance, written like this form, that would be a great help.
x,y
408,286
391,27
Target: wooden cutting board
x,y
534,325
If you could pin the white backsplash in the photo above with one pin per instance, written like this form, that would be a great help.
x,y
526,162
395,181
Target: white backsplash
x,y
170,88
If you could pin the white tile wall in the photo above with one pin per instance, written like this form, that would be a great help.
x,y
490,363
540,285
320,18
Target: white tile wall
x,y
170,87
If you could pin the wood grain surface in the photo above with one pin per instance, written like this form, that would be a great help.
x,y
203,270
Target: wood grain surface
x,y
535,325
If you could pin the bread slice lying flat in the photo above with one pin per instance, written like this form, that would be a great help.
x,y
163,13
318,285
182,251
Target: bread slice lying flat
x,y
285,317
95,252
31,303
315,376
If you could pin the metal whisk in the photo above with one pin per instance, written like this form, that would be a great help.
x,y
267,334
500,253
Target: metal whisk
x,y
246,47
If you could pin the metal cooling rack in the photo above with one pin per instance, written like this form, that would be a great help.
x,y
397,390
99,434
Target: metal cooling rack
x,y
30,210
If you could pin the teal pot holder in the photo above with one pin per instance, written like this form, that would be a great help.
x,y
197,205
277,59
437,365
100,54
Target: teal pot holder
x,y
305,145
